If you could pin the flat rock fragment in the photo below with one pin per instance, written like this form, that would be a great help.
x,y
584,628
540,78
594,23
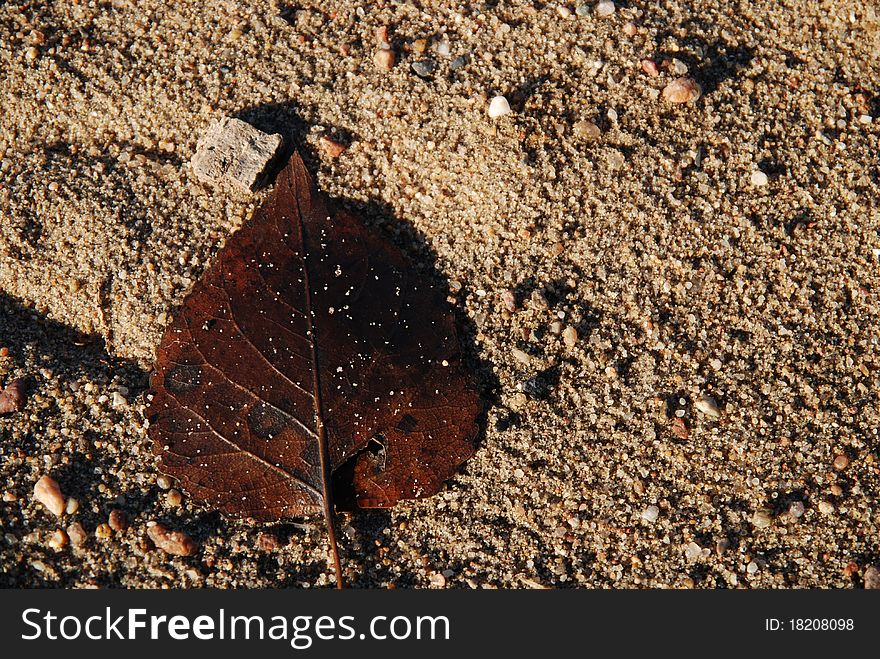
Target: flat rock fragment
x,y
235,152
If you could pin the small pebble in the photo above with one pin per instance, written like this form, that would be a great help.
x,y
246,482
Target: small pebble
x,y
173,498
752,567
58,540
72,506
587,130
498,107
419,46
762,519
680,429
872,577
12,397
267,542
630,29
678,67
841,462
443,49
31,53
177,543
649,66
796,509
759,179
682,90
836,490
47,492
582,10
693,551
118,400
563,11
536,387
521,356
616,160
556,327
650,514
508,299
570,336
103,532
605,8
707,405
826,507
77,534
164,482
384,59
331,148
458,62
117,520
424,68
437,580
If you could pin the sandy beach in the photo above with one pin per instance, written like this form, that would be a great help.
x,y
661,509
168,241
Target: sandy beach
x,y
672,307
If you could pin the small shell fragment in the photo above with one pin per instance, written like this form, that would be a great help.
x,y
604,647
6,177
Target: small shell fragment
x,y
498,107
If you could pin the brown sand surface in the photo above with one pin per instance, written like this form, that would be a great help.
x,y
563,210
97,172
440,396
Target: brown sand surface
x,y
681,275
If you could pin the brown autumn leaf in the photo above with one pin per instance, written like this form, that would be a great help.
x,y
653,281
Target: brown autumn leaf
x,y
311,354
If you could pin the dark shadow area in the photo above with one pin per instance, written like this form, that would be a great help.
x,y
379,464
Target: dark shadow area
x,y
55,357
720,62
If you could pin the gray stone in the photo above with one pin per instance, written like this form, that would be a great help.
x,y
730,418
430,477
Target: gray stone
x,y
235,152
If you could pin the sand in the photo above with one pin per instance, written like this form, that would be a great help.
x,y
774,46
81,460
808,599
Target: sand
x,y
680,276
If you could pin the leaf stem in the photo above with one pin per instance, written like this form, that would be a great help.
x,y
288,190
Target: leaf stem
x,y
323,450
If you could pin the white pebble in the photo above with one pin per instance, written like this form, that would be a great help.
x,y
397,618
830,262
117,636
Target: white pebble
x,y
759,178
605,8
650,514
118,400
443,49
693,551
498,107
752,567
521,356
826,507
796,509
708,406
679,68
762,519
47,492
